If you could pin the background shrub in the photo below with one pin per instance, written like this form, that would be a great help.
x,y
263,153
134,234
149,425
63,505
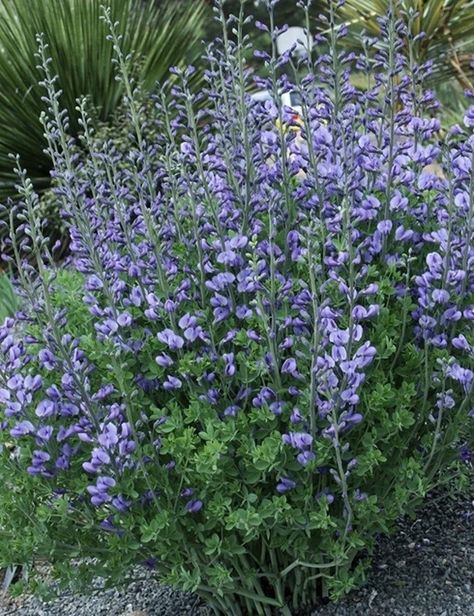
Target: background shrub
x,y
272,355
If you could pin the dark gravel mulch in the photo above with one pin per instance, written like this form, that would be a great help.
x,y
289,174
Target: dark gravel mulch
x,y
426,569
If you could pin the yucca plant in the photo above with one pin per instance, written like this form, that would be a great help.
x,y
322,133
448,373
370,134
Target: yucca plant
x,y
160,34
450,95
445,29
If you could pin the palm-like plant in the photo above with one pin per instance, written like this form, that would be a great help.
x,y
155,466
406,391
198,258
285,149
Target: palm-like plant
x,y
160,35
448,27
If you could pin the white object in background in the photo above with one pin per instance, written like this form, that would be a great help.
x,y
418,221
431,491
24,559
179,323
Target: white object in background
x,y
262,96
293,36
292,99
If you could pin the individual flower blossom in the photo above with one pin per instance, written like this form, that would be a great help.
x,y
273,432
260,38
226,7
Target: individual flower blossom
x,y
469,117
285,484
465,454
104,392
109,526
252,335
22,429
263,397
289,367
109,436
193,506
327,495
305,457
232,410
230,367
164,360
352,419
384,226
150,563
460,342
99,458
100,491
120,503
360,313
296,416
46,408
47,359
124,319
170,339
192,330
38,463
44,434
108,328
93,283
277,407
297,440
172,382
440,296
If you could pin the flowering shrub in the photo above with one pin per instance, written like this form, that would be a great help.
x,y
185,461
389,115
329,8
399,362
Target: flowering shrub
x,y
271,358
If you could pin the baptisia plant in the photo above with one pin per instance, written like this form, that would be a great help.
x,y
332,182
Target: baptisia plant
x,y
261,351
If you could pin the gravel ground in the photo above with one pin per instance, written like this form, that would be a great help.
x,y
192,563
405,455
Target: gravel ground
x,y
426,569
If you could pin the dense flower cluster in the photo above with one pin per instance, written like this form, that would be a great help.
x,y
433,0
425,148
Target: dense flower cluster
x,y
276,322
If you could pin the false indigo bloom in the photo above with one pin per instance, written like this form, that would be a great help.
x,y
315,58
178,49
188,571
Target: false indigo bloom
x,y
193,506
171,340
285,484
